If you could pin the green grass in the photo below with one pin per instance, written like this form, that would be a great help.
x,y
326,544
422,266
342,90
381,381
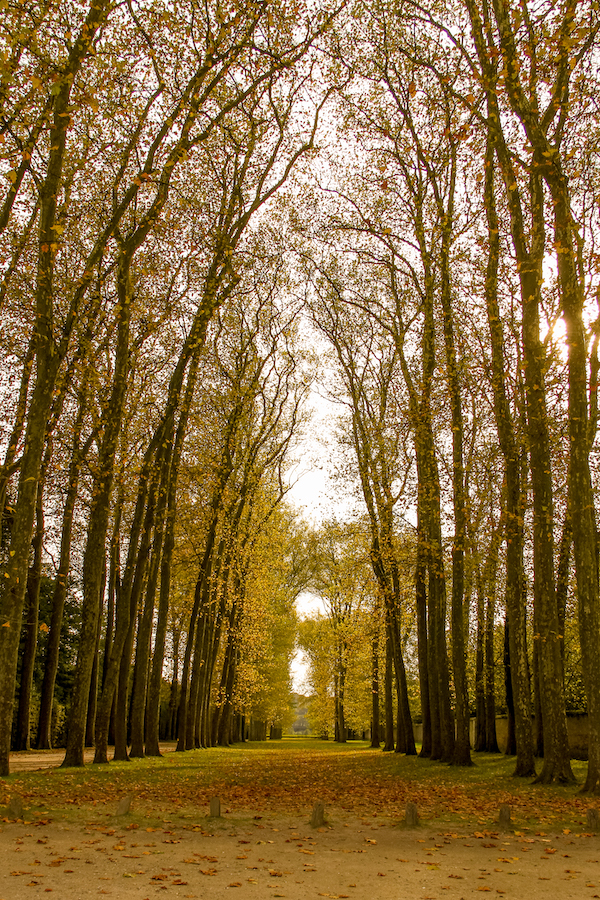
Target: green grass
x,y
278,778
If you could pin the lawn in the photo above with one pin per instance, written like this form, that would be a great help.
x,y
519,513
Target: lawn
x,y
287,777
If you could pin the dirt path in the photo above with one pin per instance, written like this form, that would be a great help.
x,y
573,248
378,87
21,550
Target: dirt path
x,y
286,858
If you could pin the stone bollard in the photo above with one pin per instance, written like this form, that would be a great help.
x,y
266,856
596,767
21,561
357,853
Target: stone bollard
x,y
504,817
411,816
317,819
215,808
593,819
15,807
124,805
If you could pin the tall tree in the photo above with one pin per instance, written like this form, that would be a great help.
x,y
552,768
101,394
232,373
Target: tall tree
x,y
367,374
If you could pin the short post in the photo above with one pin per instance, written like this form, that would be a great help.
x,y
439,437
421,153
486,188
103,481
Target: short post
x,y
15,807
215,808
317,819
124,805
504,817
411,815
593,819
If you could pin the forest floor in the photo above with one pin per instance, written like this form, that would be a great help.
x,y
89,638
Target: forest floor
x,y
70,841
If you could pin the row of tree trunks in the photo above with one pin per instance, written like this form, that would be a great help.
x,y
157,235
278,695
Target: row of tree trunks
x,y
49,355
155,148
94,558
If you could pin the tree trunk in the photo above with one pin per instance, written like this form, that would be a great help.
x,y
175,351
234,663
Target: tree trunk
x,y
557,765
405,738
144,636
95,552
122,696
155,680
113,700
219,729
34,577
154,686
538,725
225,695
375,738
44,737
171,732
563,577
480,707
48,360
388,696
202,585
114,584
511,736
341,699
90,724
421,603
461,755
491,740
518,698
581,493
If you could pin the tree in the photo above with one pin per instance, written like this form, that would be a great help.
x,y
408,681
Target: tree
x,y
343,585
530,254
48,353
367,373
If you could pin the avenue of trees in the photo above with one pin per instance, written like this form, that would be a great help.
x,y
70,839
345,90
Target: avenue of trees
x,y
190,196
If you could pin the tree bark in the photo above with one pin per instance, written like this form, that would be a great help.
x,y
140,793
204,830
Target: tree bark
x,y
375,738
144,634
480,710
95,553
388,696
421,603
34,577
514,596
